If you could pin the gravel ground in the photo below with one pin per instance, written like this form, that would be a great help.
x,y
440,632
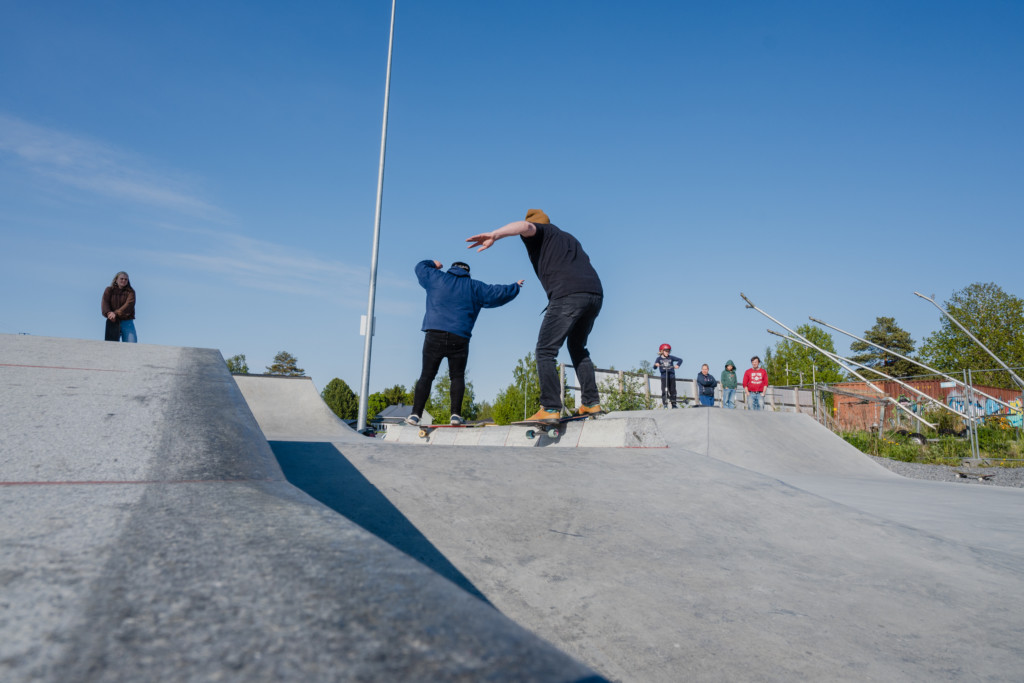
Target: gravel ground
x,y
999,476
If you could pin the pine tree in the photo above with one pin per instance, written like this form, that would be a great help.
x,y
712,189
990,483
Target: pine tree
x,y
286,364
888,334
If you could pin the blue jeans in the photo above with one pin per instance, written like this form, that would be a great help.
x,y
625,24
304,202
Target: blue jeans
x,y
729,398
756,400
568,318
708,401
128,331
437,346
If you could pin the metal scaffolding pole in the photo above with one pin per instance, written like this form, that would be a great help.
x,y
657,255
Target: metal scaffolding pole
x,y
1017,379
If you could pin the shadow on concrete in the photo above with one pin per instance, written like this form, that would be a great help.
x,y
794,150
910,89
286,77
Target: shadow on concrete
x,y
323,472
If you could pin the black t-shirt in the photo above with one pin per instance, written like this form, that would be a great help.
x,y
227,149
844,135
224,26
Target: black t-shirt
x,y
560,263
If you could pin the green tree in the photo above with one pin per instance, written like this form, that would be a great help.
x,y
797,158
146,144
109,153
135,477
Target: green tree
x,y
521,399
888,334
440,401
630,394
789,360
996,318
485,411
286,364
237,365
398,394
376,403
340,398
392,396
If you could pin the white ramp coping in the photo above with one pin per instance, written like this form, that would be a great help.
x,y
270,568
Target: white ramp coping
x,y
610,431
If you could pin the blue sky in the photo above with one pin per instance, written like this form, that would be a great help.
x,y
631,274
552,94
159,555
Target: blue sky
x,y
825,158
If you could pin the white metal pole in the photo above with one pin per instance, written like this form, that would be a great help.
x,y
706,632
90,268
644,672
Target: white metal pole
x,y
1013,375
915,362
364,393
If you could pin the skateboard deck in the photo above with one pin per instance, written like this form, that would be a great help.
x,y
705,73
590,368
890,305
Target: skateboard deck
x,y
973,475
426,429
552,429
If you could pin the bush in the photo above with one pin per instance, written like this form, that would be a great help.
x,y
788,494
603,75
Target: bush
x,y
994,442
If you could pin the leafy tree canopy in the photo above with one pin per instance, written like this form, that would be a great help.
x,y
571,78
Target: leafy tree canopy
x,y
888,334
627,392
521,398
392,396
439,403
992,315
286,364
237,365
793,363
340,398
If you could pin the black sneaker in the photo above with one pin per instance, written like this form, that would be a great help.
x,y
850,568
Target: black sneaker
x,y
456,420
413,420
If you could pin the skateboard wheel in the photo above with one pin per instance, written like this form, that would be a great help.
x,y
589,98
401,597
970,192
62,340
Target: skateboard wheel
x,y
423,433
530,433
553,433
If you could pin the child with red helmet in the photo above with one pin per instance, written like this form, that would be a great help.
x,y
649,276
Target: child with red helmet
x,y
667,364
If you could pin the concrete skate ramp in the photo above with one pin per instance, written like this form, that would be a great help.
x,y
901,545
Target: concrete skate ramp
x,y
776,444
148,534
799,452
669,565
290,409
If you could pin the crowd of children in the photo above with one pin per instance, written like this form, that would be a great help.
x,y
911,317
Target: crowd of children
x,y
755,382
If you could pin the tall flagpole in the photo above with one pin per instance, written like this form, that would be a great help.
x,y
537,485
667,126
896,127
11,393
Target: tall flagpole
x,y
364,392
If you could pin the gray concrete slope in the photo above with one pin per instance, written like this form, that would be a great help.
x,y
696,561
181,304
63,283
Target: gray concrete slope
x,y
669,565
149,534
290,409
798,451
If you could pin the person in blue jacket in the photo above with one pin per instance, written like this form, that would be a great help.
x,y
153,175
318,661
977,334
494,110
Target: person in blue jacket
x,y
707,384
453,302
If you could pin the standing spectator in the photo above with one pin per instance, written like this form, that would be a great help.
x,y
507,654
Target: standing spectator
x,y
729,385
755,382
118,307
454,301
667,364
575,296
707,384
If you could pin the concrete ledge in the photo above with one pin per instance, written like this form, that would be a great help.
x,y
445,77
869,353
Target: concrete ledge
x,y
607,432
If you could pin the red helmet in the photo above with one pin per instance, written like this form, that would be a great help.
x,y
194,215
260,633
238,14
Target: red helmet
x,y
665,347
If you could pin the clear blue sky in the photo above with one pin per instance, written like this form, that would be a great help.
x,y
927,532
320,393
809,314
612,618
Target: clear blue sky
x,y
825,158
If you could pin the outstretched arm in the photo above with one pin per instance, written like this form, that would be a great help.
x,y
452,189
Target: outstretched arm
x,y
486,239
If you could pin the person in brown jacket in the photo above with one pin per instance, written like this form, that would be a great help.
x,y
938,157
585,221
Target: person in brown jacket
x,y
118,307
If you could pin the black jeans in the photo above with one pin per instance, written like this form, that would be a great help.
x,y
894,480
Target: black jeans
x,y
437,346
569,318
668,388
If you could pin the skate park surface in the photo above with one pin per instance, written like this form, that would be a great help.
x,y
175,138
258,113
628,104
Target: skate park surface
x,y
165,521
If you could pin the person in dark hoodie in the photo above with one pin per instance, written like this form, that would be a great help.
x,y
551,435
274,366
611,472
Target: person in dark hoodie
x,y
707,384
454,301
729,385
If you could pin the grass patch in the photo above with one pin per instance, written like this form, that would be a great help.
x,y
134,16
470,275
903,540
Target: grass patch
x,y
946,450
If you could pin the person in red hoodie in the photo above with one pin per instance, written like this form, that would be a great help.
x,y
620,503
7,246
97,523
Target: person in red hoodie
x,y
755,382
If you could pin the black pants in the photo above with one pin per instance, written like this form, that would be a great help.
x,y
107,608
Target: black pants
x,y
437,346
668,388
568,319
